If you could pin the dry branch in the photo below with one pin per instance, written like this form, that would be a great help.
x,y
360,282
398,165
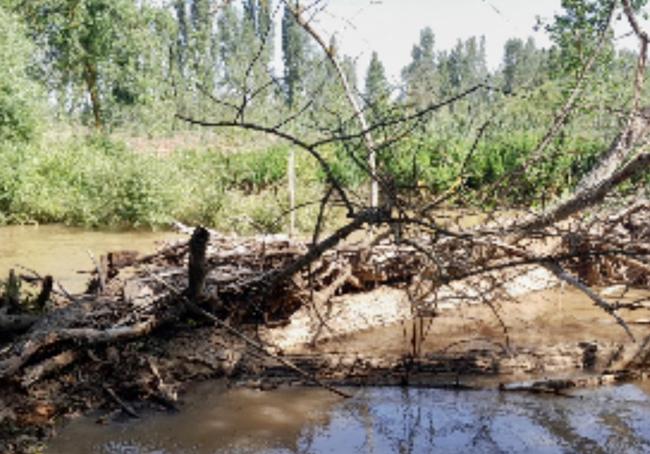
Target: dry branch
x,y
347,88
25,350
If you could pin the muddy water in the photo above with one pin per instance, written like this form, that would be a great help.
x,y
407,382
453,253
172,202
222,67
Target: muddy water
x,y
63,251
380,420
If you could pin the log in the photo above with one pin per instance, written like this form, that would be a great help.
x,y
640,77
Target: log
x,y
53,364
88,336
16,323
559,385
197,269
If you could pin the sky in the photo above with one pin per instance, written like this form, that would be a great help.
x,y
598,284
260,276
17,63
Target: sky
x,y
392,27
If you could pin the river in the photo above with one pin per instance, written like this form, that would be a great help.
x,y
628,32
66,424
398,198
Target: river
x,y
218,419
64,251
376,420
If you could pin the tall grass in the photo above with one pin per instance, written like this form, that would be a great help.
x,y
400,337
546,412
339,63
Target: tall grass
x,y
98,182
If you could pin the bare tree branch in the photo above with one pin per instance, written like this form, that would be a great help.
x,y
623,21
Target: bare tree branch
x,y
366,134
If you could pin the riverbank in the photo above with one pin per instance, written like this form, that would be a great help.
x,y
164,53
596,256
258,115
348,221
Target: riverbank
x,y
103,182
238,181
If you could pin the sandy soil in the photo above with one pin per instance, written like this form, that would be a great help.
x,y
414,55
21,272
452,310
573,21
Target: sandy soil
x,y
541,321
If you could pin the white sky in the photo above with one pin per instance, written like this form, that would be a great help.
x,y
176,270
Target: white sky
x,y
392,27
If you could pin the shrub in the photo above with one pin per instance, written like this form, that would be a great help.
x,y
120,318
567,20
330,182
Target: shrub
x,y
19,95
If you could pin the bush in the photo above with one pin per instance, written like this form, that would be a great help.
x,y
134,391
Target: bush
x,y
19,95
92,183
98,182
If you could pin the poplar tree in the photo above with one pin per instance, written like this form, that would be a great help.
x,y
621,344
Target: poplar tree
x,y
295,44
420,75
19,105
92,50
377,88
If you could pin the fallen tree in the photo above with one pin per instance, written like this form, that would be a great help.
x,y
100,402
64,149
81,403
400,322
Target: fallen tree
x,y
153,306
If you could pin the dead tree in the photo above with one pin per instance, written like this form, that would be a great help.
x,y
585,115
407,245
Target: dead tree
x,y
407,219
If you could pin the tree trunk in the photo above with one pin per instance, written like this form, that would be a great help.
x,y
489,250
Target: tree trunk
x,y
292,192
90,75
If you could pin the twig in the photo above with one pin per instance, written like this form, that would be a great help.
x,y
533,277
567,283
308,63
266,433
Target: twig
x,y
126,407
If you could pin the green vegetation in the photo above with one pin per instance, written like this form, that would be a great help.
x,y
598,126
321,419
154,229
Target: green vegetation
x,y
121,69
97,182
19,107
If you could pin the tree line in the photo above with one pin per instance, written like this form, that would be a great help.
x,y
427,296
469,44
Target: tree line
x,y
109,63
134,66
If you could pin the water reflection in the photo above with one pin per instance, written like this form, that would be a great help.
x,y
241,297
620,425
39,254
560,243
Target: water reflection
x,y
378,420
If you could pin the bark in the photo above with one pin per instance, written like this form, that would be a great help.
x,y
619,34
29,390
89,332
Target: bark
x,y
90,76
620,150
46,291
586,197
197,265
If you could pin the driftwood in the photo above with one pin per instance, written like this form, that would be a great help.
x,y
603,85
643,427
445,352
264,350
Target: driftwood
x,y
265,280
203,308
562,385
257,346
125,406
16,323
14,319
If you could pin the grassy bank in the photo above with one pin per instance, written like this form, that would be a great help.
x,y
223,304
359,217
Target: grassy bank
x,y
95,181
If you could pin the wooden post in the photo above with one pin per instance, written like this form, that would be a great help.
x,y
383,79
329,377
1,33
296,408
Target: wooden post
x,y
197,263
46,291
291,174
374,183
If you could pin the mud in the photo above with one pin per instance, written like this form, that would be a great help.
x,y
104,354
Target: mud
x,y
548,317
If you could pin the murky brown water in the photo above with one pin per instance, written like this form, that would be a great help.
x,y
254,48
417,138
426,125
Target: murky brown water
x,y
63,251
379,420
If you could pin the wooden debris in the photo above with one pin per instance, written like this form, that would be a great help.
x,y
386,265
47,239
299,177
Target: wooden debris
x,y
45,293
246,288
123,405
34,373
